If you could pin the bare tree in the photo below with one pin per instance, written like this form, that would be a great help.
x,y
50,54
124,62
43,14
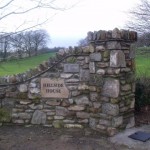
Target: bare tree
x,y
26,12
4,45
140,17
39,39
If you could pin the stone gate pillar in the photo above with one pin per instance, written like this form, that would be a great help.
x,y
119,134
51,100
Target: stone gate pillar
x,y
114,70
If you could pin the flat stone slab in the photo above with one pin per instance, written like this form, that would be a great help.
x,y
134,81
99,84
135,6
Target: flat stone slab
x,y
122,138
71,68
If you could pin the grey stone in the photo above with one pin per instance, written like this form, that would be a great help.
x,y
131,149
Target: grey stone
x,y
116,33
93,96
66,75
132,51
97,105
18,121
93,122
76,108
75,93
22,88
83,100
53,102
58,124
131,123
8,103
95,57
83,121
92,67
73,126
111,88
38,117
105,122
110,109
34,90
117,121
32,85
61,111
83,87
113,45
84,75
101,71
58,117
24,115
126,87
82,115
33,106
100,48
101,127
71,68
26,102
117,59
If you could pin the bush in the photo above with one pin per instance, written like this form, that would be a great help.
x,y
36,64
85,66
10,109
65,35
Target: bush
x,y
142,92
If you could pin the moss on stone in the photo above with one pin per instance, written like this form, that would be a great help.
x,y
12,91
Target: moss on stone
x,y
4,115
22,95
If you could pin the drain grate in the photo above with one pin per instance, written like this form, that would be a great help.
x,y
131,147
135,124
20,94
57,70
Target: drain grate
x,y
141,136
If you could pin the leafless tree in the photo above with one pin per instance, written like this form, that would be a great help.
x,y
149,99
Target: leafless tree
x,y
39,40
140,17
18,13
29,42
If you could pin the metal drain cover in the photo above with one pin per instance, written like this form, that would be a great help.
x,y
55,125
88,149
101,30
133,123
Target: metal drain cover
x,y
141,136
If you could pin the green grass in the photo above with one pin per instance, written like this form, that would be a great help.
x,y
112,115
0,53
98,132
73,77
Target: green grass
x,y
143,62
22,65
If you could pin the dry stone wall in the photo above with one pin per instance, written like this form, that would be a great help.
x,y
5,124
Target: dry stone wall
x,y
91,86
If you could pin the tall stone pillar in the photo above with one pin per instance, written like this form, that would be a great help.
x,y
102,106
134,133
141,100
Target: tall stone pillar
x,y
112,63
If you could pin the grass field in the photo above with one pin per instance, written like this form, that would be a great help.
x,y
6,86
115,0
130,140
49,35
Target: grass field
x,y
143,62
20,66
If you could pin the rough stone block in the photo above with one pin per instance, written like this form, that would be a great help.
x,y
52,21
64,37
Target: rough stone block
x,y
113,45
38,117
110,109
84,75
76,108
61,111
92,67
117,59
117,121
95,57
22,88
82,115
93,96
71,68
111,88
83,100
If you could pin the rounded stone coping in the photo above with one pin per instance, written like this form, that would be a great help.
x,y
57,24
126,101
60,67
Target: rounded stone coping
x,y
116,34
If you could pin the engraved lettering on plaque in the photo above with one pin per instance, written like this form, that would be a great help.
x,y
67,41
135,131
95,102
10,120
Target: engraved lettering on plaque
x,y
53,88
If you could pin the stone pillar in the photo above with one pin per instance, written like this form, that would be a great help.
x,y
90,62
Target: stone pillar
x,y
112,67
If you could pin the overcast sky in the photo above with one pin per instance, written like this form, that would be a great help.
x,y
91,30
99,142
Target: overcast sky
x,y
68,27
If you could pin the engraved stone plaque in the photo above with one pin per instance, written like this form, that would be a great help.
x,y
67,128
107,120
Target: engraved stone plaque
x,y
53,88
73,68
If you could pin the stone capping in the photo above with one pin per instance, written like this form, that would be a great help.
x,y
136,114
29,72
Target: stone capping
x,y
112,35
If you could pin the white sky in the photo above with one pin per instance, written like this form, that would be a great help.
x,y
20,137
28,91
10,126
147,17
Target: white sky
x,y
68,27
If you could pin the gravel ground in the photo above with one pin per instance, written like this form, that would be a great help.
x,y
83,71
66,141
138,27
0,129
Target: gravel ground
x,y
43,138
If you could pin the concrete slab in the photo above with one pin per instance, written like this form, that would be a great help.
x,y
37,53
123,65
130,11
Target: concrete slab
x,y
123,139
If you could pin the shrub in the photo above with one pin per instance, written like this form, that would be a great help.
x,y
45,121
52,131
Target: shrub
x,y
142,92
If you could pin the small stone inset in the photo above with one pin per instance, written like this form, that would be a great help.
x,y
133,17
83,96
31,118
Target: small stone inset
x,y
71,68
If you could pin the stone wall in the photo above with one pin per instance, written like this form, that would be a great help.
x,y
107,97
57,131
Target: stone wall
x,y
91,86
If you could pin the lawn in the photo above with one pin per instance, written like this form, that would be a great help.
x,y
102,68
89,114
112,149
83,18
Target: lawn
x,y
143,62
22,65
19,66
